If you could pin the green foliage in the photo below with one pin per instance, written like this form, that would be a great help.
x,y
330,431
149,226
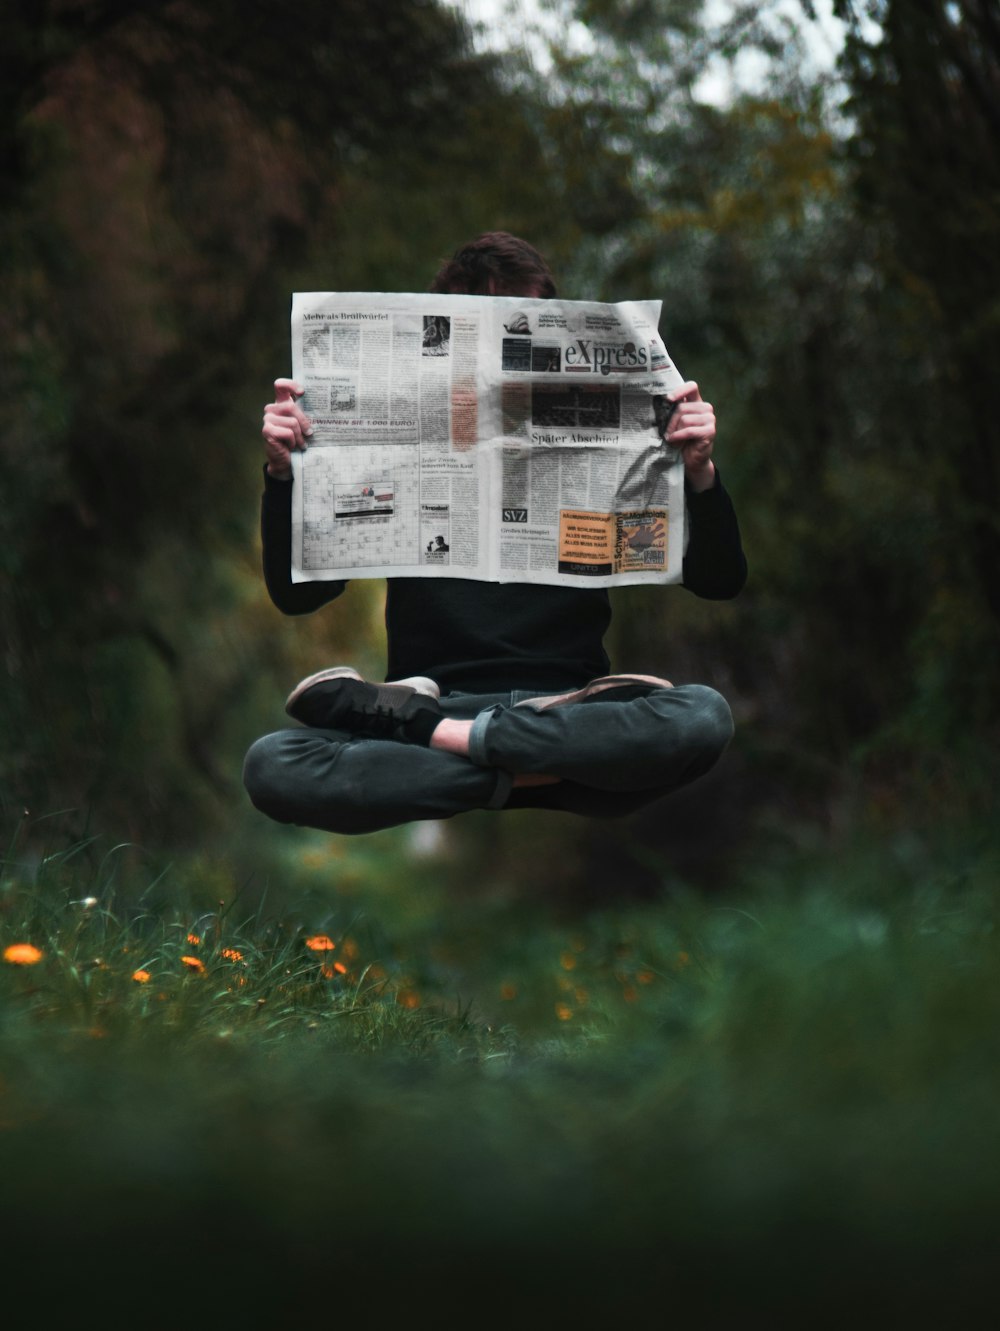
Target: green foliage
x,y
172,172
791,1081
835,337
925,79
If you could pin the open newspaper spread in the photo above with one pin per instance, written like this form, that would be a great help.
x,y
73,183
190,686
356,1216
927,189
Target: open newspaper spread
x,y
487,437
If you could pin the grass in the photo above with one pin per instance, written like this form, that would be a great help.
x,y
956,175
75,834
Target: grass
x,y
780,1098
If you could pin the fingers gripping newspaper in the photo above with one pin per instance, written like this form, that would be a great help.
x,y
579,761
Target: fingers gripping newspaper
x,y
485,437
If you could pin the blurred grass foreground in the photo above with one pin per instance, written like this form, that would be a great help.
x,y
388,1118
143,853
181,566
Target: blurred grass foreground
x,y
780,1097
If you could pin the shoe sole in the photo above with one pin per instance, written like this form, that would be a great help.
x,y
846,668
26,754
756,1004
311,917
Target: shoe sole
x,y
416,683
595,688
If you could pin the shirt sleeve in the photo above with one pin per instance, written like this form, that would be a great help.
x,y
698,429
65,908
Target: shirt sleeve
x,y
715,566
291,598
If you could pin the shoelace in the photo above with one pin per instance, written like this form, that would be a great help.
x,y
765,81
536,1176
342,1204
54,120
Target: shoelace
x,y
378,718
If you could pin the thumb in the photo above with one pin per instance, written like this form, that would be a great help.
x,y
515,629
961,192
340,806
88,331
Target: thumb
x,y
287,390
687,392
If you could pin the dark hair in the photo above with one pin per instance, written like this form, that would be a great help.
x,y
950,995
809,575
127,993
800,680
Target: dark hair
x,y
495,264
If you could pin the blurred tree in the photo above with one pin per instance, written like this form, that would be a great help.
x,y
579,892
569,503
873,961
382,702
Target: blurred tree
x,y
851,351
737,214
795,313
170,172
925,82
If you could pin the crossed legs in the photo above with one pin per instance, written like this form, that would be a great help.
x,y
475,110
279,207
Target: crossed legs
x,y
491,751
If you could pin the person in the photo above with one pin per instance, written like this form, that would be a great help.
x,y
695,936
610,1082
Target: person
x,y
496,695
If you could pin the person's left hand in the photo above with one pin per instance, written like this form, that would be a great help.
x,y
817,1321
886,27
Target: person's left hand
x,y
692,430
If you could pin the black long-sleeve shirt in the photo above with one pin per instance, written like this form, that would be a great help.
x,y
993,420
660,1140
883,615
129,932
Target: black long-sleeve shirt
x,y
492,636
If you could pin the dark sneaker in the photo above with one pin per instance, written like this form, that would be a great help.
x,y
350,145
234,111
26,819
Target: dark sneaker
x,y
406,710
609,688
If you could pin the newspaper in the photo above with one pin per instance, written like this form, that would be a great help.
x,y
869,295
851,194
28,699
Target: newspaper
x,y
500,439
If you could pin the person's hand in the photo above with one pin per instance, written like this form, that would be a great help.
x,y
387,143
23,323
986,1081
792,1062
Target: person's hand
x,y
644,536
692,430
286,428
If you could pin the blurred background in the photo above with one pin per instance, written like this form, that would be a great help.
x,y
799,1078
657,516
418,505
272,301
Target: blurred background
x,y
812,190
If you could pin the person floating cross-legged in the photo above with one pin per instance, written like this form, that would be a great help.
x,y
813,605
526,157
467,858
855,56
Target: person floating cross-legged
x,y
497,695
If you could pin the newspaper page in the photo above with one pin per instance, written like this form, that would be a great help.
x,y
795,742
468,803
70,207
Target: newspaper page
x,y
495,438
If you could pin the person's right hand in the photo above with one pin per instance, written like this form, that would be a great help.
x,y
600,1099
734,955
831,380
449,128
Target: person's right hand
x,y
286,427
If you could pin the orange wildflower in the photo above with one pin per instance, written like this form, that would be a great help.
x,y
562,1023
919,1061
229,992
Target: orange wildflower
x,y
408,998
22,954
508,992
231,954
141,977
328,972
564,1012
193,939
320,943
194,964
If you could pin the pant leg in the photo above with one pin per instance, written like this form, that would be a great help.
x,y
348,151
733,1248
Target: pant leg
x,y
613,756
336,782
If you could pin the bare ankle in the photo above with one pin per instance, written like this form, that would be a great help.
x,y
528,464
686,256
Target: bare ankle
x,y
452,736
